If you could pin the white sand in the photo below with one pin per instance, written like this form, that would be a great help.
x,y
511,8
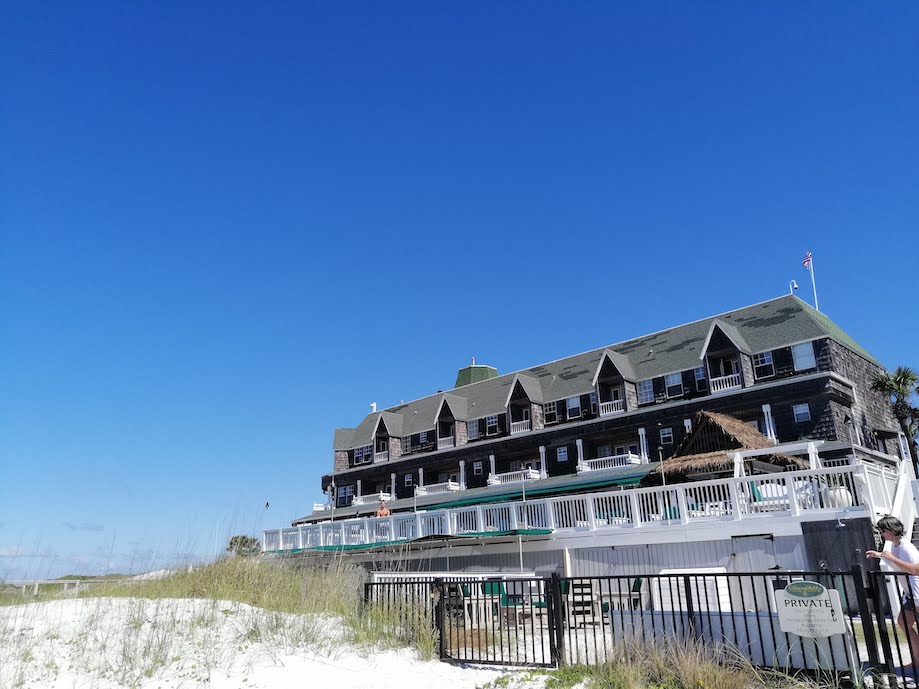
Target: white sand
x,y
108,642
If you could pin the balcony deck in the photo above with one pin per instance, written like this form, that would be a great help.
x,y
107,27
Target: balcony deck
x,y
851,491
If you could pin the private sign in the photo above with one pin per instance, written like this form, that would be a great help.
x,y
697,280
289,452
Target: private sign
x,y
807,608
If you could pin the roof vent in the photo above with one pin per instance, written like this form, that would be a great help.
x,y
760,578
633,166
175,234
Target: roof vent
x,y
373,407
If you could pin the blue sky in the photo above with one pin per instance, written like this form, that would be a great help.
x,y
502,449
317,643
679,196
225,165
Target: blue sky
x,y
228,228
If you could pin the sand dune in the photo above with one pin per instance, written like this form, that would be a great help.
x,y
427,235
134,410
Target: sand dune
x,y
166,643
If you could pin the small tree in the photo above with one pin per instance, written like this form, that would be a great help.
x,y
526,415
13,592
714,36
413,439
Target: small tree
x,y
244,546
898,387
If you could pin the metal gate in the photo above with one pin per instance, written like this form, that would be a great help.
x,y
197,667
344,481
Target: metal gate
x,y
588,620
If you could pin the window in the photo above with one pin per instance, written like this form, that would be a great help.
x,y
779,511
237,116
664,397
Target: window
x,y
666,436
491,425
406,443
674,383
477,469
620,449
574,407
409,479
803,354
802,412
345,495
645,391
762,365
422,437
633,449
551,413
605,451
562,454
472,429
363,455
593,403
701,383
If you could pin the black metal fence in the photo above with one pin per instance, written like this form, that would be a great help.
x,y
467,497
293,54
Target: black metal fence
x,y
590,620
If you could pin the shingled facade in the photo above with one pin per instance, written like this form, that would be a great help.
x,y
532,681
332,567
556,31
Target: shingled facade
x,y
779,365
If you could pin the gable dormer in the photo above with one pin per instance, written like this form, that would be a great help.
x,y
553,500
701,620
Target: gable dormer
x,y
726,358
524,405
614,382
451,422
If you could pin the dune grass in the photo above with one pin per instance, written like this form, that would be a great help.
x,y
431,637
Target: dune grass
x,y
271,609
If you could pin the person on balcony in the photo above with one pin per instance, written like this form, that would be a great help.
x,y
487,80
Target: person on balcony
x,y
383,511
904,557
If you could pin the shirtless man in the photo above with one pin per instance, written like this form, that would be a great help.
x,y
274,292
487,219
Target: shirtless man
x,y
384,510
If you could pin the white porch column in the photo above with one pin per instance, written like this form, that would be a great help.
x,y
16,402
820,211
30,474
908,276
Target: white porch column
x,y
420,477
580,444
392,485
359,493
643,445
542,462
687,424
491,463
770,424
813,457
462,476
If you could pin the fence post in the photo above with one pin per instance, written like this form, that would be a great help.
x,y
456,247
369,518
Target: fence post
x,y
439,616
556,621
864,611
879,608
690,611
366,594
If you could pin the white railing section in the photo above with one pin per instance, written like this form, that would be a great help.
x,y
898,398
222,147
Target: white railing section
x,y
513,477
608,462
431,489
444,443
726,382
371,498
321,507
614,407
520,427
844,490
882,482
381,456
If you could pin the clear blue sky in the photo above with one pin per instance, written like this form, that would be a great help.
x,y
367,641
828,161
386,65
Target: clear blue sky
x,y
227,228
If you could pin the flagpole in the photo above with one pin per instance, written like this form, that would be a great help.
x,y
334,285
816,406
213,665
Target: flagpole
x,y
814,282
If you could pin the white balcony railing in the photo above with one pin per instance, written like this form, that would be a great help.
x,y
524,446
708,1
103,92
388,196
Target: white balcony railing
x,y
373,497
614,407
381,456
612,462
513,477
520,427
818,494
444,487
726,382
444,443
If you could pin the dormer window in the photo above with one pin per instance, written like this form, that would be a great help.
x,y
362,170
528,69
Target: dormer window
x,y
472,429
762,365
803,355
674,383
550,412
574,407
645,391
491,425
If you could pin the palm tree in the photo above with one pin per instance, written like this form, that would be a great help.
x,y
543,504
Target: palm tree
x,y
898,387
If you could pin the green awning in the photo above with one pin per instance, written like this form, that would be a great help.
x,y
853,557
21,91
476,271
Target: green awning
x,y
535,492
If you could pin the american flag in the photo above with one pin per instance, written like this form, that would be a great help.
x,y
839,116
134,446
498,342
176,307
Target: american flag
x,y
807,260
